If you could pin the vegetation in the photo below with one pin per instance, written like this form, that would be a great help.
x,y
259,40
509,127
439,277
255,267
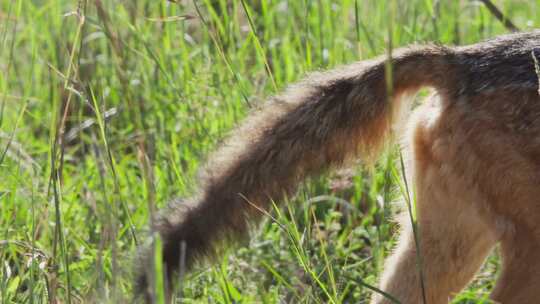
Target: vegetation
x,y
107,109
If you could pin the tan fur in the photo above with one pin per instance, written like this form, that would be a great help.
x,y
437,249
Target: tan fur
x,y
474,153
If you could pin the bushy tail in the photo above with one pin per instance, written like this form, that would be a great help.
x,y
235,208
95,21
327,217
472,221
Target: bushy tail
x,y
315,125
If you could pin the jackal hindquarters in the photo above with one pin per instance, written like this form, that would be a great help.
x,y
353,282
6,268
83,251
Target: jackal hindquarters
x,y
474,152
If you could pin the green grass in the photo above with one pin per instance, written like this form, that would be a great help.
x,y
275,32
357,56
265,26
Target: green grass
x,y
107,109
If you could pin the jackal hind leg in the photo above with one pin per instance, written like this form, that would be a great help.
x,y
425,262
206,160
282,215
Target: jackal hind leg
x,y
453,236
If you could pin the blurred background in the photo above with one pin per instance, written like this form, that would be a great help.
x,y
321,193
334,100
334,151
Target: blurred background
x,y
107,109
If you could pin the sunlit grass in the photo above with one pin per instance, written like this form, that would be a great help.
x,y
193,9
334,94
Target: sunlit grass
x,y
107,109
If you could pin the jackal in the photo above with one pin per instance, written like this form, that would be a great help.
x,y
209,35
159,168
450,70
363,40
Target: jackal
x,y
473,149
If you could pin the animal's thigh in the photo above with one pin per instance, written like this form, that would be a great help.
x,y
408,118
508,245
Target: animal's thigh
x,y
454,233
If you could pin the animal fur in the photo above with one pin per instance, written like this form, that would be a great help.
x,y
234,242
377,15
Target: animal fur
x,y
474,154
